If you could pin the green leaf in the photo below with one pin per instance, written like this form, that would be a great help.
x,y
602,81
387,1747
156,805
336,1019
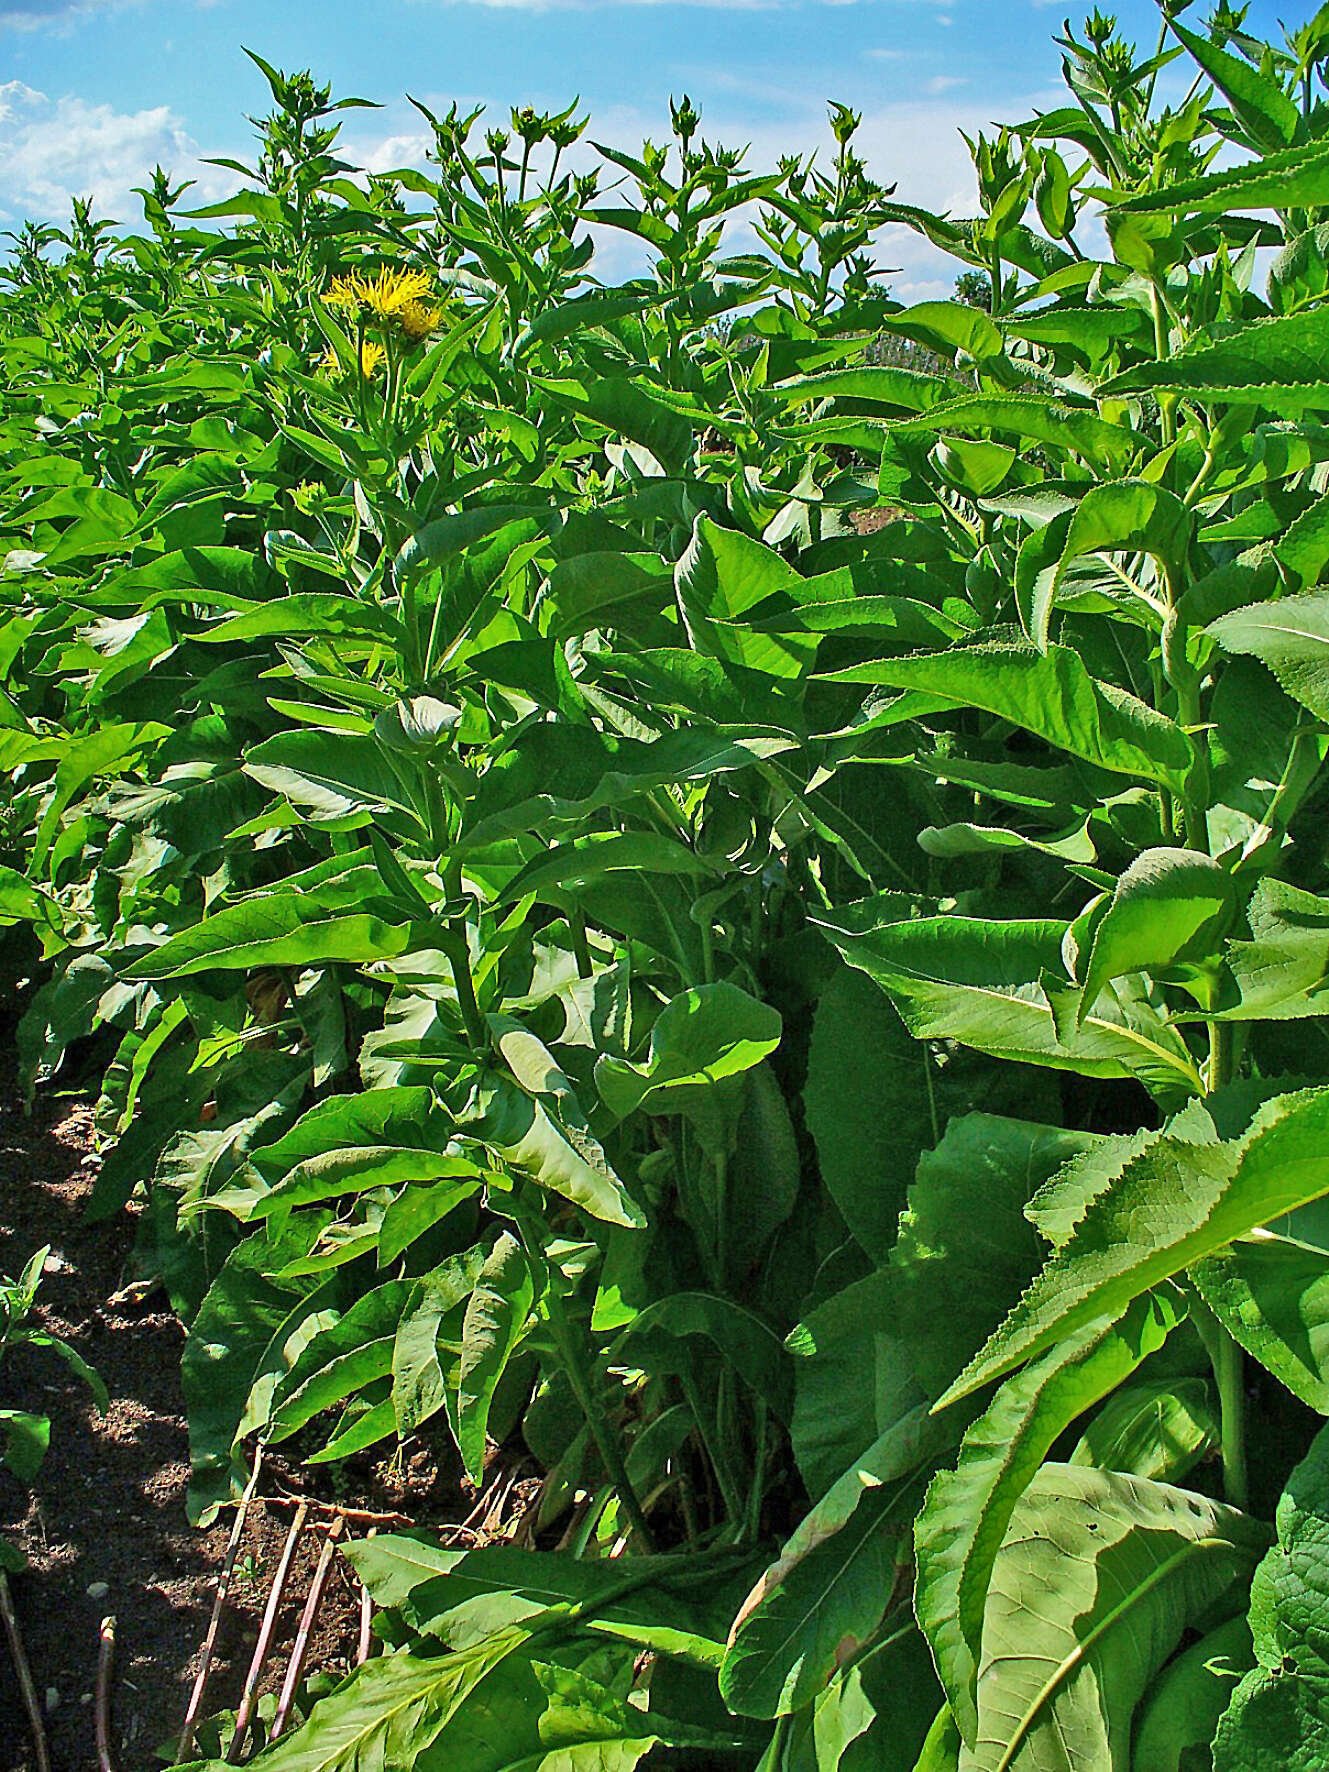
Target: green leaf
x,y
331,774
303,614
1018,415
701,1041
526,1137
278,929
879,384
26,1439
725,575
341,1360
959,1532
1279,1714
1048,693
419,1387
1159,1428
1272,1295
866,1104
1282,971
833,1581
1291,636
748,1344
1280,363
1169,1206
967,1248
853,1379
984,983
249,1324
1303,547
1170,905
389,1711
1121,1569
496,1317
1269,116
1291,178
1181,1710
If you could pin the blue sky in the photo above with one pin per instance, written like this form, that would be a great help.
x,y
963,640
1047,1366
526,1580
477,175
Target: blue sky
x,y
92,93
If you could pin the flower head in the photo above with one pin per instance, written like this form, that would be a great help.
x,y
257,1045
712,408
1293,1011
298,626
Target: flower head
x,y
372,356
417,320
394,299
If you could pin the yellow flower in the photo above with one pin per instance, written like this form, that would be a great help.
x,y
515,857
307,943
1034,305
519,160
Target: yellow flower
x,y
343,292
387,297
418,320
391,293
372,356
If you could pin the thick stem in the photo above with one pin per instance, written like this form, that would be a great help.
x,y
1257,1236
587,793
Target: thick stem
x,y
579,1379
1227,1357
1230,1371
366,1642
296,1666
105,1674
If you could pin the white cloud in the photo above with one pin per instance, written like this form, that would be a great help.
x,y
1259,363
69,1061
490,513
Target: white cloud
x,y
55,149
58,15
940,83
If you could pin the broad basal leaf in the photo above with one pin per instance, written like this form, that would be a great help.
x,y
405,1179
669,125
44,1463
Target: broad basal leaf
x,y
1121,1569
959,1532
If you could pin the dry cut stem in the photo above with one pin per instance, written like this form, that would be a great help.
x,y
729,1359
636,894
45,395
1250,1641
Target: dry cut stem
x,y
296,1665
366,1616
214,1623
24,1672
264,1643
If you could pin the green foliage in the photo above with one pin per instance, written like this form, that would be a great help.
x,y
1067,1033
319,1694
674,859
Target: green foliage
x,y
720,878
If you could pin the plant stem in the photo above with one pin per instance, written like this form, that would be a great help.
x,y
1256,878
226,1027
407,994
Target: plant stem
x,y
26,1687
606,1441
1226,1356
105,1675
186,1741
263,1646
296,1665
1230,1371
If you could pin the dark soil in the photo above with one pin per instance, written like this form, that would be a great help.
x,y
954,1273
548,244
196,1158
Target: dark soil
x,y
105,1529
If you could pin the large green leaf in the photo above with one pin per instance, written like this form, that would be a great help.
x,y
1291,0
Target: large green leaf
x,y
701,1044
1181,1710
1272,1294
341,1360
1170,905
967,1248
495,1321
1049,693
853,1379
1291,636
959,1532
1280,363
1292,178
866,1102
1166,1208
389,1711
1279,1715
1121,1569
279,929
1282,971
834,1578
251,1325
986,984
